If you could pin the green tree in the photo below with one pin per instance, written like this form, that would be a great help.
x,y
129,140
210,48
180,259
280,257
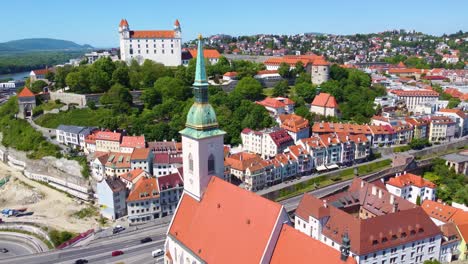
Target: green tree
x,y
284,70
118,97
303,78
38,85
249,88
281,88
50,76
299,68
305,91
170,87
121,75
418,200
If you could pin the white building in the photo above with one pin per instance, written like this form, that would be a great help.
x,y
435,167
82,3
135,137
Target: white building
x,y
92,57
459,117
441,129
409,186
162,46
73,136
267,142
416,98
277,106
324,104
111,193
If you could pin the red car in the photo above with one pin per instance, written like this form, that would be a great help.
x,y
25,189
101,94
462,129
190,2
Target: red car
x,y
117,253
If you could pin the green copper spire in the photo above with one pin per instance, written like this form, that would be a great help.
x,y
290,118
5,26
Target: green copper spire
x,y
201,118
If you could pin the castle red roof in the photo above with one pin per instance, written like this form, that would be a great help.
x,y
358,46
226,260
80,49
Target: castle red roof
x,y
123,22
152,34
421,92
176,23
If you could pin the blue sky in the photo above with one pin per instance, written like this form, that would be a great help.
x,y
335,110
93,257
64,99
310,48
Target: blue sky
x,y
95,21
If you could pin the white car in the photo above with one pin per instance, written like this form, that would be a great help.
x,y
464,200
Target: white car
x,y
157,253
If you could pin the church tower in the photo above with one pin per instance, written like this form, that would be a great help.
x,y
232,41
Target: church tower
x,y
202,140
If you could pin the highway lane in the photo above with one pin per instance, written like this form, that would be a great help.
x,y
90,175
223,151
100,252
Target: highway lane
x,y
99,248
15,248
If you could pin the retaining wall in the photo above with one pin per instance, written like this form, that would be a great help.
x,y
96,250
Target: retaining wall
x,y
26,227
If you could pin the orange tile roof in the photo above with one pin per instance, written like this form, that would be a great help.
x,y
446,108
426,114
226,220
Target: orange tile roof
x,y
207,53
146,188
325,100
410,179
152,34
296,247
459,112
133,141
230,74
293,59
118,160
329,127
267,72
293,122
438,211
442,120
26,93
41,71
271,102
140,154
405,70
241,161
132,175
233,225
123,22
420,92
107,135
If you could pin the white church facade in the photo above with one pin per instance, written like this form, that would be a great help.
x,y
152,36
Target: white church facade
x,y
162,46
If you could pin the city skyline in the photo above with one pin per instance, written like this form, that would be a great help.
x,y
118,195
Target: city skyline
x,y
96,23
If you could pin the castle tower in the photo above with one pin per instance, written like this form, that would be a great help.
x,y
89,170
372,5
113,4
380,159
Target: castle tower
x,y
177,29
26,103
202,140
124,32
320,71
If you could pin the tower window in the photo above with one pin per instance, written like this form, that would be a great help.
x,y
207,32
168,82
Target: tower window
x,y
211,164
190,162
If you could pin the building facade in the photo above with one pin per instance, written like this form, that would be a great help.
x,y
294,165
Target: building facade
x,y
162,46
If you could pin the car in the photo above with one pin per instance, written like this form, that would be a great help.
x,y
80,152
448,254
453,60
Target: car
x,y
146,240
117,253
3,250
157,253
81,261
118,229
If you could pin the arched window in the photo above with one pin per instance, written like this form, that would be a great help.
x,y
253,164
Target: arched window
x,y
211,164
190,162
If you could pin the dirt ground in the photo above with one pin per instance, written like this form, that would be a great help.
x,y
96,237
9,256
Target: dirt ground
x,y
51,208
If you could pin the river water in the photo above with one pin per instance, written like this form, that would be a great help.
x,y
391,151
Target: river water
x,y
15,76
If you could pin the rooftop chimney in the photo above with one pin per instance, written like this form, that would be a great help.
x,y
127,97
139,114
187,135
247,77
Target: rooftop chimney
x,y
395,207
380,194
362,184
374,190
392,199
325,203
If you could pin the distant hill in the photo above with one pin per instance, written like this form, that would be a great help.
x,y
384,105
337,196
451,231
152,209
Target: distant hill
x,y
41,44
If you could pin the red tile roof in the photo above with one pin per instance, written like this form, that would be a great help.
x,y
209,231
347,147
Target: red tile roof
x,y
296,247
421,92
123,22
230,74
167,158
376,233
267,72
140,154
132,175
293,59
293,122
109,136
281,138
325,100
118,160
133,142
242,160
405,70
207,53
329,127
410,179
272,102
233,225
146,188
170,181
152,34
26,93
41,71
458,112
439,211
442,120
177,23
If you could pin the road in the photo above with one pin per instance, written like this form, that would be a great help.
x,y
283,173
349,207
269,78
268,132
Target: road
x,y
99,251
19,244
